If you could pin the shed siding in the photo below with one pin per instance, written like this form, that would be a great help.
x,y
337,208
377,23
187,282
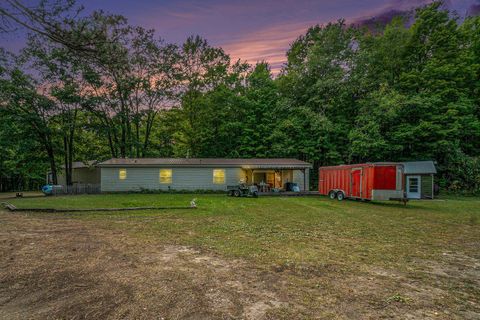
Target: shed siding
x,y
82,176
182,179
86,175
426,186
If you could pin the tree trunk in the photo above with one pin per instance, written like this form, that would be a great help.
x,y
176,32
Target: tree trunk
x,y
53,167
68,178
148,130
137,140
72,120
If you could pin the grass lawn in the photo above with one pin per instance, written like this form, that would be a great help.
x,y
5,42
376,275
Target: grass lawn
x,y
328,258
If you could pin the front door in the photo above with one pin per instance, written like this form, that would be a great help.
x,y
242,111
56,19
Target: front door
x,y
413,187
357,183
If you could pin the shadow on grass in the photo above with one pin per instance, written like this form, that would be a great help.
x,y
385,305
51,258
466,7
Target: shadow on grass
x,y
394,204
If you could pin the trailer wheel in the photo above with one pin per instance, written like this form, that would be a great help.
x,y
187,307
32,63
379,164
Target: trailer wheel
x,y
236,193
255,194
340,196
332,195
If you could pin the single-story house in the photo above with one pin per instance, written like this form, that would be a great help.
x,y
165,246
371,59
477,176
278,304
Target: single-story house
x,y
419,179
130,174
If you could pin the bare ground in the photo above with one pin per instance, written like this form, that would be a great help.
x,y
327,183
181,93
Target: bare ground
x,y
55,267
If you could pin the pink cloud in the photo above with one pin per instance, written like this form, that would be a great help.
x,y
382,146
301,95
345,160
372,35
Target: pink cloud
x,y
269,44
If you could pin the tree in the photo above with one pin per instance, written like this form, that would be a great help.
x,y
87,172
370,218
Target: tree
x,y
59,22
207,91
131,80
27,107
259,112
60,80
318,95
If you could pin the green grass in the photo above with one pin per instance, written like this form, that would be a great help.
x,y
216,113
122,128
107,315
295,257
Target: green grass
x,y
382,259
292,231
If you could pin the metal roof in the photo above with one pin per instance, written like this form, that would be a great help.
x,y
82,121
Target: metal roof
x,y
81,164
256,163
366,164
419,167
410,167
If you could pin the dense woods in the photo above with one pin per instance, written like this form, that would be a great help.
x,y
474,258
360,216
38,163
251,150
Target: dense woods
x,y
94,87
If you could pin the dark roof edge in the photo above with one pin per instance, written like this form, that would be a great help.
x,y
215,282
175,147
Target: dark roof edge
x,y
197,162
253,166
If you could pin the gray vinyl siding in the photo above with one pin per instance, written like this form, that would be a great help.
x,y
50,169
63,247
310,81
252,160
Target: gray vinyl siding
x,y
182,179
299,178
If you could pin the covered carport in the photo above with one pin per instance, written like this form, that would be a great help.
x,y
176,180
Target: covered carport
x,y
276,176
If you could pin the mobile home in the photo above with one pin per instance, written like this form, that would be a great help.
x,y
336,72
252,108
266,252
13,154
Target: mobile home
x,y
134,174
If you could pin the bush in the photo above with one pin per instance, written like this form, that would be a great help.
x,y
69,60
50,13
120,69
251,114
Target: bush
x,y
461,174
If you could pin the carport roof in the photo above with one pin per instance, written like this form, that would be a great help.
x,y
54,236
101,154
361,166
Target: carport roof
x,y
256,163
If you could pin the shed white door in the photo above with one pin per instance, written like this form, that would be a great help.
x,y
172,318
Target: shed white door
x,y
413,187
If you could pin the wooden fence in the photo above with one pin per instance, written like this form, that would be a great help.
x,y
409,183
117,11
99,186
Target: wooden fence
x,y
76,189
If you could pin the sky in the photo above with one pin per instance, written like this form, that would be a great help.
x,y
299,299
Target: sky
x,y
252,30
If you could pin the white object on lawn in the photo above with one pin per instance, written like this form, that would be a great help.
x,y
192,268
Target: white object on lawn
x,y
193,203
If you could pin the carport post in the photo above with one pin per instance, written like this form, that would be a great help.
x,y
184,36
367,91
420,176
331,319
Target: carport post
x,y
304,182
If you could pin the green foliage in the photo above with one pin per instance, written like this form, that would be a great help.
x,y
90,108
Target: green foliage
x,y
257,113
409,91
23,162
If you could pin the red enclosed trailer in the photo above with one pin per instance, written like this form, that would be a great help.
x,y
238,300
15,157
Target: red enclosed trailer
x,y
367,181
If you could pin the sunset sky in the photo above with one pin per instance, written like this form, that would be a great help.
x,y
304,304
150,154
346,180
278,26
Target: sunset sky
x,y
252,30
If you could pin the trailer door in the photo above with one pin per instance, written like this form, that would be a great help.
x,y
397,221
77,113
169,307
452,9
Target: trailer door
x,y
356,188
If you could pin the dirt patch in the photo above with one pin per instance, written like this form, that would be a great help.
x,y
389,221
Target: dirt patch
x,y
55,267
62,268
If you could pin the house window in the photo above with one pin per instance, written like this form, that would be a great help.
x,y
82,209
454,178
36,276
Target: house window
x,y
122,174
165,175
218,176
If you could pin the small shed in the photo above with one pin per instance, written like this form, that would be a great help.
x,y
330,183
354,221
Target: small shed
x,y
419,179
82,173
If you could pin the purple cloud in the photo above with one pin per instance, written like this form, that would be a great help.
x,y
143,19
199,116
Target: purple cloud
x,y
253,30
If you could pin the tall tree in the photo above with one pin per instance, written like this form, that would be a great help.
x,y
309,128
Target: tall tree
x,y
60,80
317,95
259,112
130,81
204,70
32,109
